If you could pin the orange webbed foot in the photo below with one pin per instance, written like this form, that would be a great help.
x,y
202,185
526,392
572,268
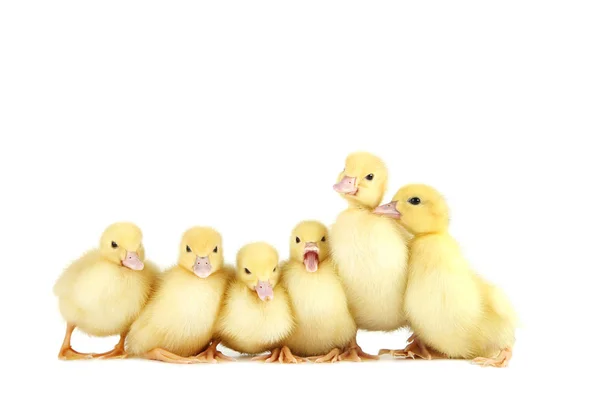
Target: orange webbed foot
x,y
282,355
355,354
163,355
212,355
500,361
330,357
415,348
117,352
68,354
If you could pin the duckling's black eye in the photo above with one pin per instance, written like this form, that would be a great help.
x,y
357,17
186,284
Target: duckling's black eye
x,y
297,239
414,201
187,248
114,245
370,177
274,269
247,271
216,249
323,239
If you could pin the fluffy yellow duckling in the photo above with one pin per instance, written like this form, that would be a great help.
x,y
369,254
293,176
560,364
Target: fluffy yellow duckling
x,y
324,325
450,308
103,292
257,316
179,320
369,251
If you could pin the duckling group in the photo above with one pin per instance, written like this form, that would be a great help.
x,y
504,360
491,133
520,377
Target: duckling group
x,y
380,267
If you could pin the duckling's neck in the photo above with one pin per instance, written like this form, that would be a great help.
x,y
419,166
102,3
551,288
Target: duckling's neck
x,y
359,206
422,235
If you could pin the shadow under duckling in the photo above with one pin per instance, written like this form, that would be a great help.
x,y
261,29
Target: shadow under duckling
x,y
256,316
453,312
324,325
178,322
370,252
104,291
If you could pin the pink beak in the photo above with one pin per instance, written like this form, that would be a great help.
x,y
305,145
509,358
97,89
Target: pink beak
x,y
389,210
311,256
202,267
264,290
132,261
346,186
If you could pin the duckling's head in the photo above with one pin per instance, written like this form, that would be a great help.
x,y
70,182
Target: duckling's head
x,y
309,244
201,251
363,180
121,243
419,208
257,268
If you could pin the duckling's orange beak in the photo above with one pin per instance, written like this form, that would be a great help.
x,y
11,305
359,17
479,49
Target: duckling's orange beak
x,y
264,290
389,210
202,267
311,256
346,186
132,261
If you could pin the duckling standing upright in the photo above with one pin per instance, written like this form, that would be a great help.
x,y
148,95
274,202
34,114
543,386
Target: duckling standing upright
x,y
324,325
369,251
104,291
451,309
257,316
179,320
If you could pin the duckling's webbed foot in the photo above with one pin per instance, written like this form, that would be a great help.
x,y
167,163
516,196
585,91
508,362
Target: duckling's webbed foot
x,y
212,355
163,355
287,357
283,355
66,351
269,358
117,352
414,348
354,353
69,354
500,361
330,357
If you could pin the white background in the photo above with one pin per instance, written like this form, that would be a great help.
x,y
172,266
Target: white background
x,y
239,115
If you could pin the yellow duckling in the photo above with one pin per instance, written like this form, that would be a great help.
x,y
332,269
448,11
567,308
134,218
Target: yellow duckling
x,y
324,325
179,320
450,308
369,251
103,292
257,316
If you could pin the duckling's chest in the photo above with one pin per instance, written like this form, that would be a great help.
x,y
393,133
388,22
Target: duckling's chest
x,y
105,286
443,301
252,326
317,298
371,256
365,243
192,299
